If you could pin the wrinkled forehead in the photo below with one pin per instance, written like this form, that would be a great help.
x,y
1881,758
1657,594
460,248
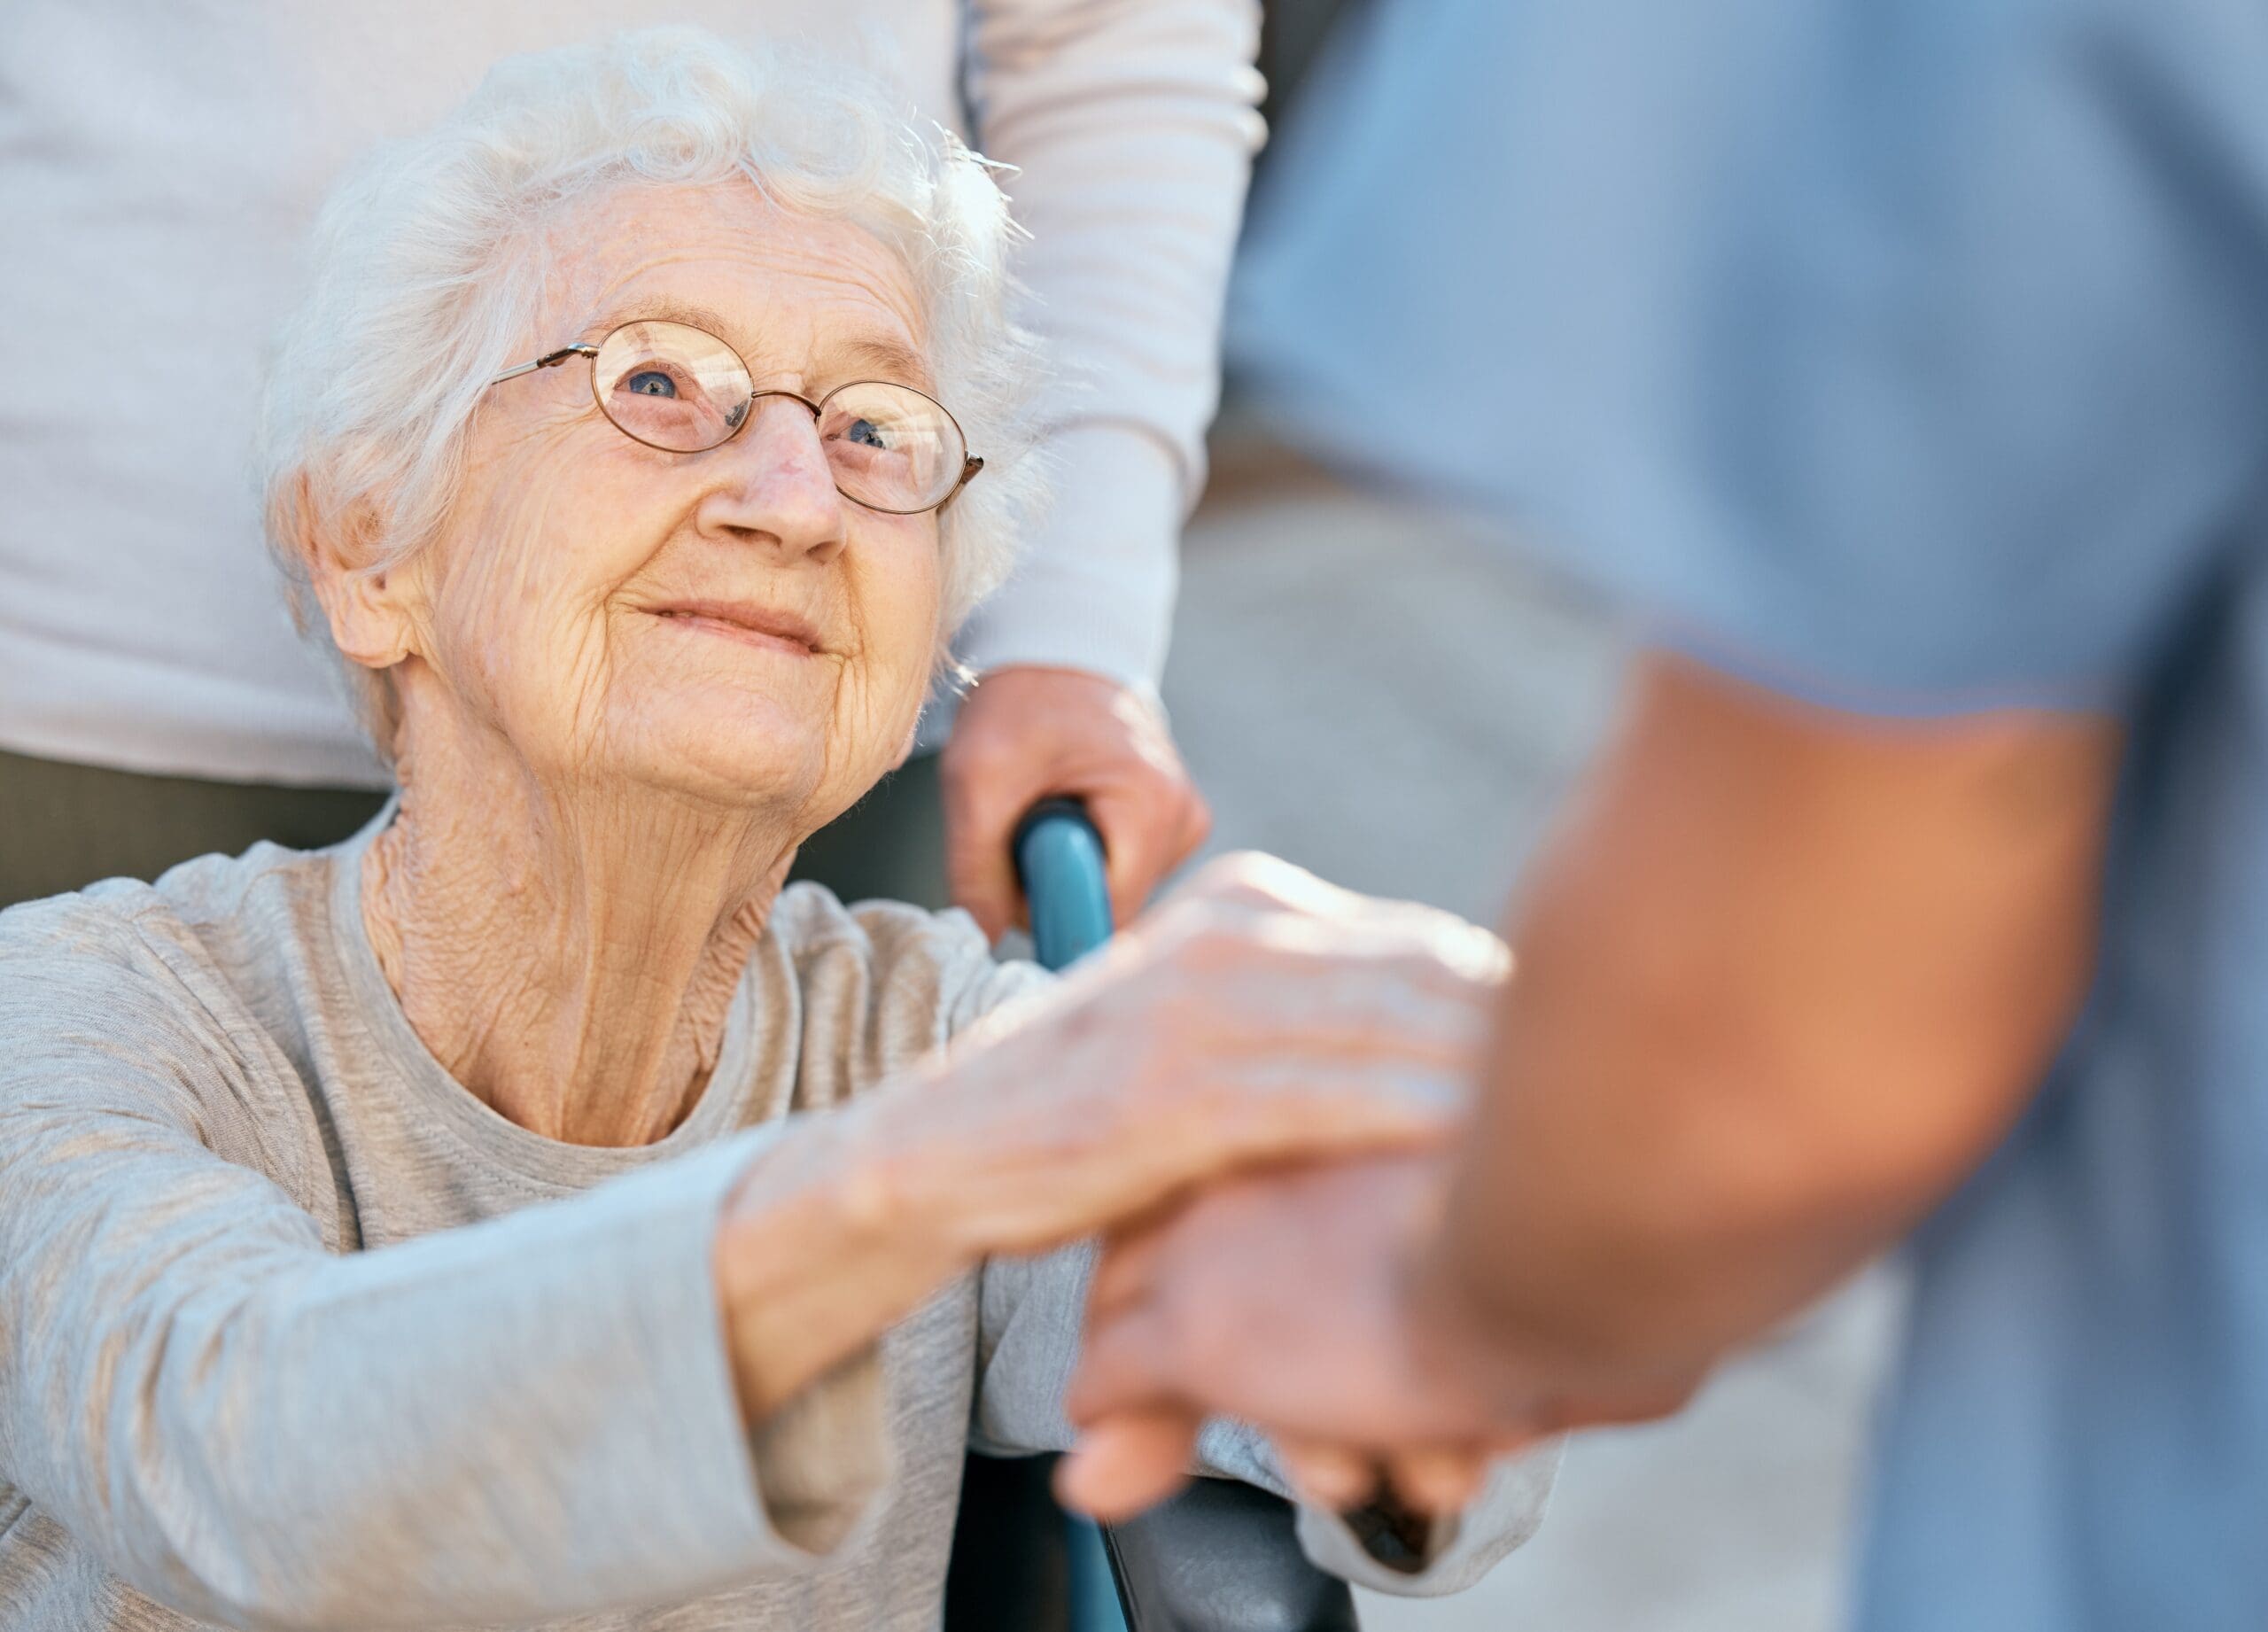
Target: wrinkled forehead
x,y
799,296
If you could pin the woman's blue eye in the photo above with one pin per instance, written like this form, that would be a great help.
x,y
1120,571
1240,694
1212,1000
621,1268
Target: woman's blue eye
x,y
868,433
650,382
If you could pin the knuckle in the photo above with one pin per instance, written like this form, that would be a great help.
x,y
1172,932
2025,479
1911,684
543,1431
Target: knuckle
x,y
1221,941
1464,951
1247,878
1177,1017
981,758
1193,921
1158,781
983,766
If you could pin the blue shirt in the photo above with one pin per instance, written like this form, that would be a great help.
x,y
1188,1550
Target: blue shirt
x,y
1910,357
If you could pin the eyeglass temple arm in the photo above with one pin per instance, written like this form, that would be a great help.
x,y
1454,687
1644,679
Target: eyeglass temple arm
x,y
549,360
967,474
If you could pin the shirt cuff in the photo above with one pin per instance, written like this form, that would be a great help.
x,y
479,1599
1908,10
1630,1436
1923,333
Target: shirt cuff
x,y
1094,589
668,1469
1461,1550
823,1455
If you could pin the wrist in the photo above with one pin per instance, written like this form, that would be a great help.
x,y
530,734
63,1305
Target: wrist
x,y
1462,1350
813,1262
1467,1353
896,1176
1523,1351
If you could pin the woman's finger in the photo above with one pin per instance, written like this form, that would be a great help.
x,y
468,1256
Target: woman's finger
x,y
1123,1274
1029,1175
1438,1478
1333,1477
1127,1462
1306,1112
1221,994
1150,824
1151,1166
1268,886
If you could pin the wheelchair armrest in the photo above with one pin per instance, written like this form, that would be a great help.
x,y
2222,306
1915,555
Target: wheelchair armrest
x,y
1222,1557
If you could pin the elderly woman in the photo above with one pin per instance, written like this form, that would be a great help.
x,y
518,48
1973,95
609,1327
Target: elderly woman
x,y
526,1209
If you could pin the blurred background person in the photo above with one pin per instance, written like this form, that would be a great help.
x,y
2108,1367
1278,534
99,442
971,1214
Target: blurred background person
x,y
1904,372
423,1228
159,168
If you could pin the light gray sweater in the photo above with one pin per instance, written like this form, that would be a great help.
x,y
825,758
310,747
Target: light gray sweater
x,y
295,1331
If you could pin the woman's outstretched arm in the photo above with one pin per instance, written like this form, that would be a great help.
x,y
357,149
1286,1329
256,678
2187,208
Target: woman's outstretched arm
x,y
521,1419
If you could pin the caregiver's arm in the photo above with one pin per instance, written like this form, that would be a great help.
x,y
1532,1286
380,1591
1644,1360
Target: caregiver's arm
x,y
1131,127
1785,978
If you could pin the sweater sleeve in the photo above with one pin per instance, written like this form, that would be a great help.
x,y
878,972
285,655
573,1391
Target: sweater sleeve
x,y
1131,124
522,1420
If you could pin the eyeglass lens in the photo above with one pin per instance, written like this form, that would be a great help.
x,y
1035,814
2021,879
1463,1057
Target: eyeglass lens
x,y
681,389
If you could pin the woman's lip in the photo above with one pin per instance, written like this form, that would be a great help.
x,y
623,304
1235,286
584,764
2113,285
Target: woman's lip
x,y
758,626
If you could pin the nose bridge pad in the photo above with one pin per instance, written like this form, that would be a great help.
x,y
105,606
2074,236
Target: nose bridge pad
x,y
747,411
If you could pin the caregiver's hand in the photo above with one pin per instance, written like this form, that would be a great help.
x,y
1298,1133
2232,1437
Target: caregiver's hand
x,y
1286,1300
1261,1017
1027,733
1280,1299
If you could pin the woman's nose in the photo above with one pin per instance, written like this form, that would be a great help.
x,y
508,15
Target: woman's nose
x,y
775,487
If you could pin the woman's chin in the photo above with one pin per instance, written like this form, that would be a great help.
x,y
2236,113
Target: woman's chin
x,y
761,757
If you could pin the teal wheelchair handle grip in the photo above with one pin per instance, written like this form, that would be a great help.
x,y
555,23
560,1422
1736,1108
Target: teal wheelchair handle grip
x,y
1065,877
1063,869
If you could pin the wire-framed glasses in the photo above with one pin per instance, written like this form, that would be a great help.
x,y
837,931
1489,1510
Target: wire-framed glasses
x,y
680,389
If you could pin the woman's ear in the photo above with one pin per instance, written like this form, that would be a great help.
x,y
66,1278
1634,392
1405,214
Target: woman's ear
x,y
366,612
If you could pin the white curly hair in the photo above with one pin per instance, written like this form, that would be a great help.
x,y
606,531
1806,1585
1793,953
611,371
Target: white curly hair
x,y
430,260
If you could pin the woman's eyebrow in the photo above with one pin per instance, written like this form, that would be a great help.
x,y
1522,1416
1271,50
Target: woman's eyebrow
x,y
875,356
879,358
667,311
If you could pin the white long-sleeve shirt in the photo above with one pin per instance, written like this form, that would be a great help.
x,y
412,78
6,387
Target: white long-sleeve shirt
x,y
159,167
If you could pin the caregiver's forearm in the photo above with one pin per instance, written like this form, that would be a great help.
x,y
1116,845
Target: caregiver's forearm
x,y
1784,981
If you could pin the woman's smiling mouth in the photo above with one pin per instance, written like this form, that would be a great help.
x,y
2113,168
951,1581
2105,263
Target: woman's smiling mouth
x,y
767,627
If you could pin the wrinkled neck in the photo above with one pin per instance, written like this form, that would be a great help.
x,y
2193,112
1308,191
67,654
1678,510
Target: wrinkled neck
x,y
567,948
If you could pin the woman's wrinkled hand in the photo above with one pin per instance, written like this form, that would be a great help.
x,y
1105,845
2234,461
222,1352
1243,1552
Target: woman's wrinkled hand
x,y
1260,1016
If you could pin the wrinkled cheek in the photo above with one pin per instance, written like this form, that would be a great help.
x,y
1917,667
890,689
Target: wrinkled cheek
x,y
911,677
540,676
583,688
877,707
